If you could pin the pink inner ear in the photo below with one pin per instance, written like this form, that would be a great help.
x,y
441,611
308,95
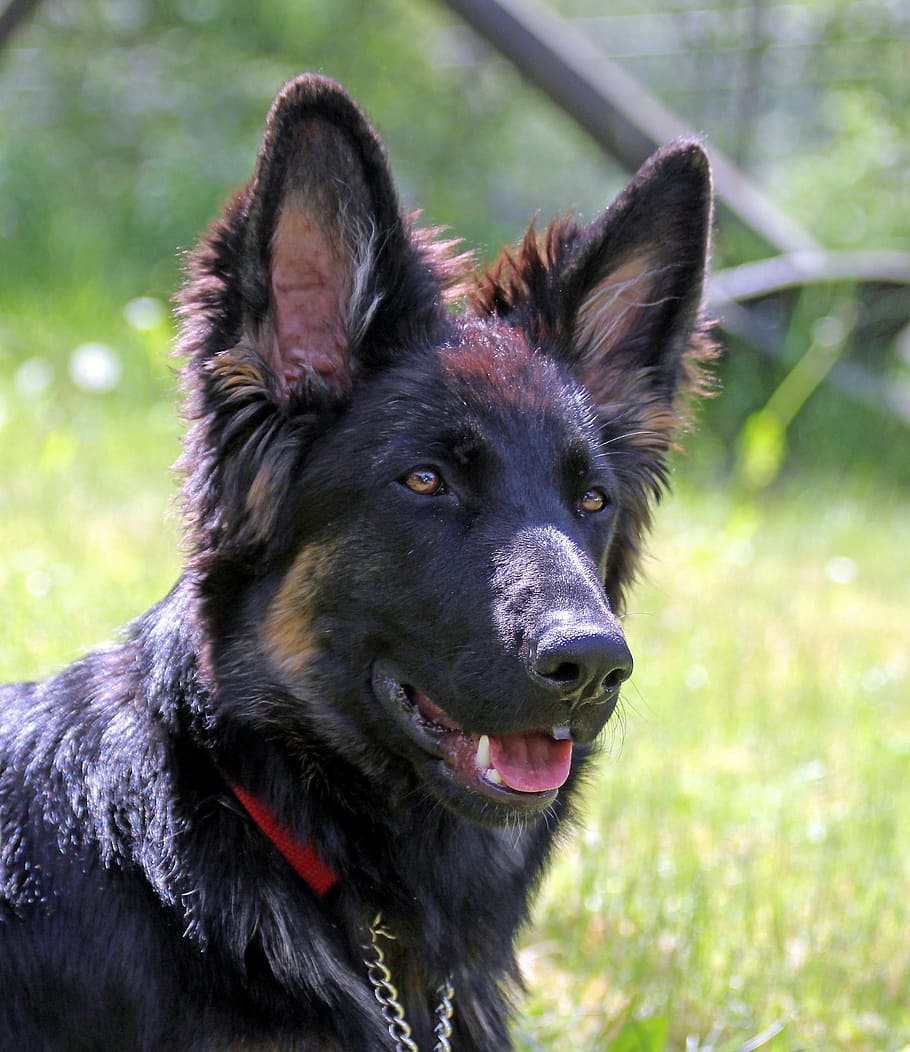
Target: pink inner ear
x,y
613,307
309,290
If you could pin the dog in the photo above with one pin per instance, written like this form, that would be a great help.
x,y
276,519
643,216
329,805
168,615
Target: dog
x,y
306,800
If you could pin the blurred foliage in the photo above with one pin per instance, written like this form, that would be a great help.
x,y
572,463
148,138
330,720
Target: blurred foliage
x,y
852,186
126,123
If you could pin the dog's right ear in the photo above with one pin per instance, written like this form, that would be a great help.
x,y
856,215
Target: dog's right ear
x,y
310,277
312,257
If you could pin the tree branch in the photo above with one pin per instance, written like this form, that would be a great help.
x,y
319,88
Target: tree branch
x,y
764,277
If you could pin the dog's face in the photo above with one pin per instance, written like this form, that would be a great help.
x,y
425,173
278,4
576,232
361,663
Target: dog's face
x,y
460,519
434,514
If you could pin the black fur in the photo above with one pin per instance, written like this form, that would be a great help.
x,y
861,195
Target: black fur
x,y
406,527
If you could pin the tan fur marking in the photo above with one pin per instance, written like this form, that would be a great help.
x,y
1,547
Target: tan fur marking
x,y
288,632
613,306
260,500
239,373
659,424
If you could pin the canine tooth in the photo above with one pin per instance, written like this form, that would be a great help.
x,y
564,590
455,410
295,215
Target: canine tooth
x,y
493,776
561,734
482,756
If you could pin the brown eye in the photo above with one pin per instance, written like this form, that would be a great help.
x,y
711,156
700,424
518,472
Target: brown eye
x,y
594,500
425,481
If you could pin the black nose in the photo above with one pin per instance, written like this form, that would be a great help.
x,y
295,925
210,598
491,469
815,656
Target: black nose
x,y
582,662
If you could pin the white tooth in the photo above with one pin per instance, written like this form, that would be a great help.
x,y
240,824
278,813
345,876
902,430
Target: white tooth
x,y
482,756
493,776
561,734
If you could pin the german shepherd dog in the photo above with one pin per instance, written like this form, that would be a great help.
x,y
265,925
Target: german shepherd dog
x,y
304,803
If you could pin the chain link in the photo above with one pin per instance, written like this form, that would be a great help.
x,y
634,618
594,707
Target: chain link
x,y
392,1010
444,1012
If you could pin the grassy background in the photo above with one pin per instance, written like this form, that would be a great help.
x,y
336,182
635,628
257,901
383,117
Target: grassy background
x,y
744,860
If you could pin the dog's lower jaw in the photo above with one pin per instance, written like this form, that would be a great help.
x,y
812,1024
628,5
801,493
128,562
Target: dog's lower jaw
x,y
456,766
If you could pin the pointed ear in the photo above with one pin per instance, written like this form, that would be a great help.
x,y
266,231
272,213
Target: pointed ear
x,y
619,301
311,258
632,285
324,246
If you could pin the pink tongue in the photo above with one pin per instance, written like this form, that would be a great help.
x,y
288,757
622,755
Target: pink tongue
x,y
531,763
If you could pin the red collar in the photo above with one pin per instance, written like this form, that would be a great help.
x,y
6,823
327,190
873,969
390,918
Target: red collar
x,y
301,854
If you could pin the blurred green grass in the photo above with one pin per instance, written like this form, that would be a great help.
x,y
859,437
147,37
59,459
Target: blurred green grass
x,y
744,857
88,521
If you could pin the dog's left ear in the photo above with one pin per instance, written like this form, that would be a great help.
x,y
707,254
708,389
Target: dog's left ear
x,y
619,301
631,286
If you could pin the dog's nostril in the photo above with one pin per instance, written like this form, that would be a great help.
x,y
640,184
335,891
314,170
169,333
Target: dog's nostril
x,y
564,672
583,660
615,679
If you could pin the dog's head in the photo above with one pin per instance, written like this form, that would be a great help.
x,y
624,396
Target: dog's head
x,y
413,525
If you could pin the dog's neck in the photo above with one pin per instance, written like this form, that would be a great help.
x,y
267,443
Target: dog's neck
x,y
301,855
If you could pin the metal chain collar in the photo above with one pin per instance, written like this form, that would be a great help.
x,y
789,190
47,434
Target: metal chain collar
x,y
392,1009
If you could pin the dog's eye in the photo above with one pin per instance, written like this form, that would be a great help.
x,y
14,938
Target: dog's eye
x,y
594,500
425,481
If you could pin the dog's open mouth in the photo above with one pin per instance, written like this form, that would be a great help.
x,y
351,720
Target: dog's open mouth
x,y
522,770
